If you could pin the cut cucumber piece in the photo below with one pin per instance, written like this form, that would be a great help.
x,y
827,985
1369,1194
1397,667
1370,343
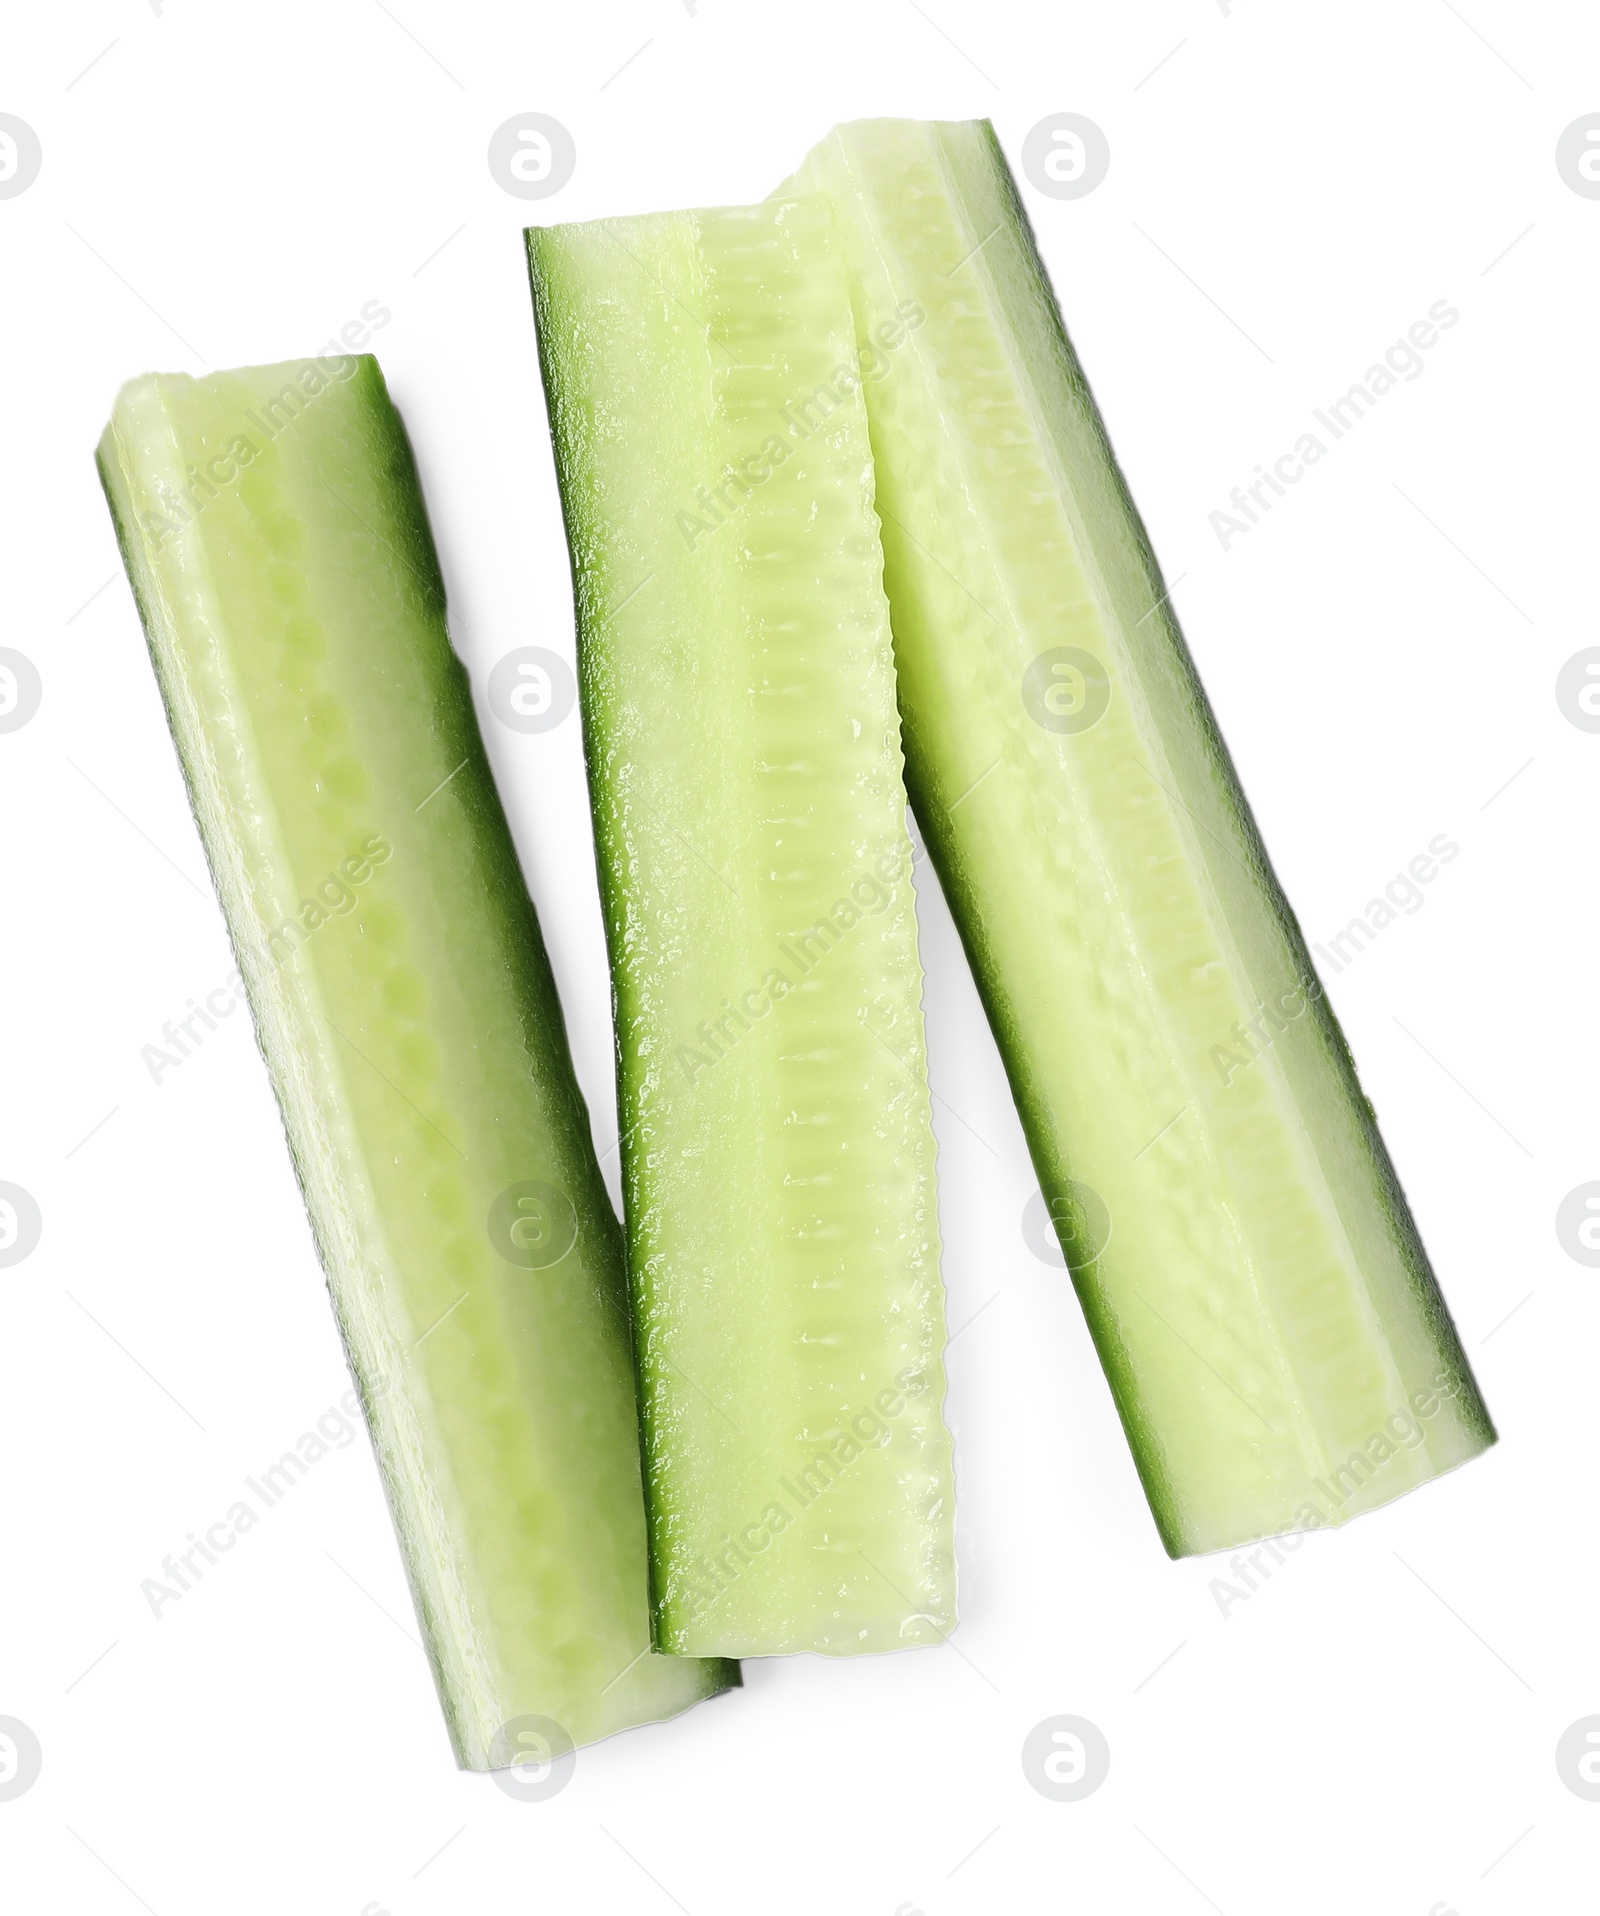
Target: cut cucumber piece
x,y
275,536
744,763
1274,1338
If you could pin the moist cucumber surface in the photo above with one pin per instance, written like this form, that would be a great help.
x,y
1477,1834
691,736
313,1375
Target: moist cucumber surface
x,y
1278,1348
745,769
275,535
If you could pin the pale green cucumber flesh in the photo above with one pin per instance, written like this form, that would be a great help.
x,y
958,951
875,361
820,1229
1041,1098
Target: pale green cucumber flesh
x,y
1276,1343
276,538
745,768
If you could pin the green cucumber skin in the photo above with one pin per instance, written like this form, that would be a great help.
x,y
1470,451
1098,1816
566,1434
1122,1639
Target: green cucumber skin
x,y
536,1127
972,155
612,908
612,912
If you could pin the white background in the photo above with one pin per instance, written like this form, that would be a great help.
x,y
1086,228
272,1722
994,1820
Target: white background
x,y
1375,1728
